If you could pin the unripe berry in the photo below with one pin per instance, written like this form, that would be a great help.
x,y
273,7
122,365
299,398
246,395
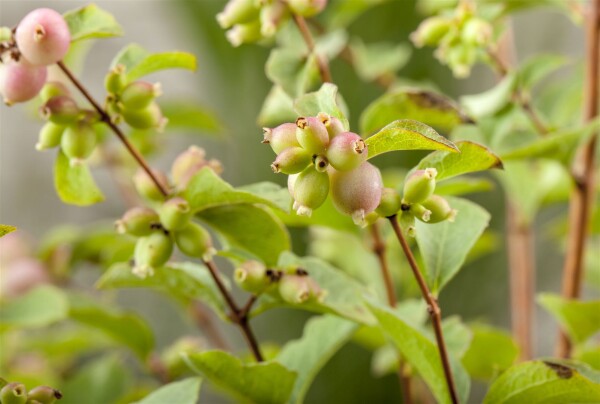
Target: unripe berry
x,y
310,191
146,118
291,161
146,187
440,209
139,94
281,137
60,109
115,80
420,212
5,34
312,134
298,289
43,37
407,223
460,58
188,163
175,213
476,31
357,192
138,221
237,12
20,81
334,126
49,136
43,395
419,185
53,89
321,163
13,393
390,203
244,33
307,8
347,151
151,252
252,277
431,31
194,240
78,142
291,182
272,15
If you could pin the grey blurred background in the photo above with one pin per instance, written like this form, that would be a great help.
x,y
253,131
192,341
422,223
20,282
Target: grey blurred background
x,y
231,82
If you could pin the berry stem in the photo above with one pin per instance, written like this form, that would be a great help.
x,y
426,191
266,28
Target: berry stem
x,y
105,117
310,43
582,195
433,308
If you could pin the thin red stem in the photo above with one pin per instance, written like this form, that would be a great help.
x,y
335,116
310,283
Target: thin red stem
x,y
310,44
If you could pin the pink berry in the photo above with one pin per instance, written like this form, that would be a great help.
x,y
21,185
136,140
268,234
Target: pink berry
x,y
281,137
347,151
43,37
20,81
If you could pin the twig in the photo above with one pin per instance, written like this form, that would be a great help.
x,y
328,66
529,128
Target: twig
x,y
310,44
433,308
582,172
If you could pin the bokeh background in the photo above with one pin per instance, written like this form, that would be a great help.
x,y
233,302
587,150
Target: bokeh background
x,y
231,82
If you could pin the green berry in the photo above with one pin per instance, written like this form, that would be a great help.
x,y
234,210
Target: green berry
x,y
146,187
440,209
115,80
347,151
299,288
152,252
50,136
420,212
175,213
145,118
138,221
194,240
252,277
310,191
60,109
272,15
53,89
244,33
13,393
237,12
43,395
307,8
281,137
291,161
476,31
312,134
139,94
78,142
390,203
431,31
419,185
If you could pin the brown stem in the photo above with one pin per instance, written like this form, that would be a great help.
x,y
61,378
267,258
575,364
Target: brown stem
x,y
433,308
582,172
105,117
310,44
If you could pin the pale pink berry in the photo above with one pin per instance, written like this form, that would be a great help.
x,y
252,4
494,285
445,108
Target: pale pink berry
x,y
43,37
21,276
20,81
347,151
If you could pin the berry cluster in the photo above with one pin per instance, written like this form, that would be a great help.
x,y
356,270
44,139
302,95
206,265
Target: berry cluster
x,y
320,156
42,38
158,230
16,393
251,21
460,38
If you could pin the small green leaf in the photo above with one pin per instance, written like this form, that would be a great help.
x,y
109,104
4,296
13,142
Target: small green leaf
x,y
323,336
277,108
407,134
491,352
265,382
425,106
343,13
270,191
91,22
461,186
444,246
580,319
40,307
191,116
327,100
491,101
185,391
139,62
293,71
473,157
537,68
75,185
379,59
421,353
551,381
5,229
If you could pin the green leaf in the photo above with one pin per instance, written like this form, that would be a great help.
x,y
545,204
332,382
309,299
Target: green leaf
x,y
421,353
265,382
323,336
139,62
537,68
185,391
457,336
5,229
491,101
327,215
277,108
184,281
91,22
444,246
75,185
293,71
407,134
430,108
343,13
251,228
40,307
191,116
128,329
277,195
327,100
379,59
461,186
491,352
551,381
580,319
473,157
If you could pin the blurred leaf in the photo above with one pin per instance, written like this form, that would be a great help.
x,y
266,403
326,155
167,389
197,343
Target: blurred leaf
x,y
444,246
185,281
331,43
550,381
279,196
491,352
75,185
251,228
422,354
294,72
5,229
91,22
191,116
461,186
473,157
323,336
490,101
561,99
536,68
580,319
425,106
265,382
327,100
102,381
384,361
342,13
378,59
457,336
588,355
40,307
128,329
489,242
277,108
139,62
327,215
407,134
185,391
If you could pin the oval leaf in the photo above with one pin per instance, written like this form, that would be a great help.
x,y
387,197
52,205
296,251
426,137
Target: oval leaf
x,y
91,22
325,100
75,185
293,71
491,351
138,62
40,307
184,391
579,319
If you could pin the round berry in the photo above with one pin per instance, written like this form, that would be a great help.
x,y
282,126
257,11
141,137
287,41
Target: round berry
x,y
347,151
139,94
43,37
440,209
146,186
138,221
195,241
50,136
78,142
312,134
60,109
281,137
145,118
291,161
310,190
188,163
151,252
334,126
175,213
390,203
252,276
20,81
307,8
53,89
419,185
